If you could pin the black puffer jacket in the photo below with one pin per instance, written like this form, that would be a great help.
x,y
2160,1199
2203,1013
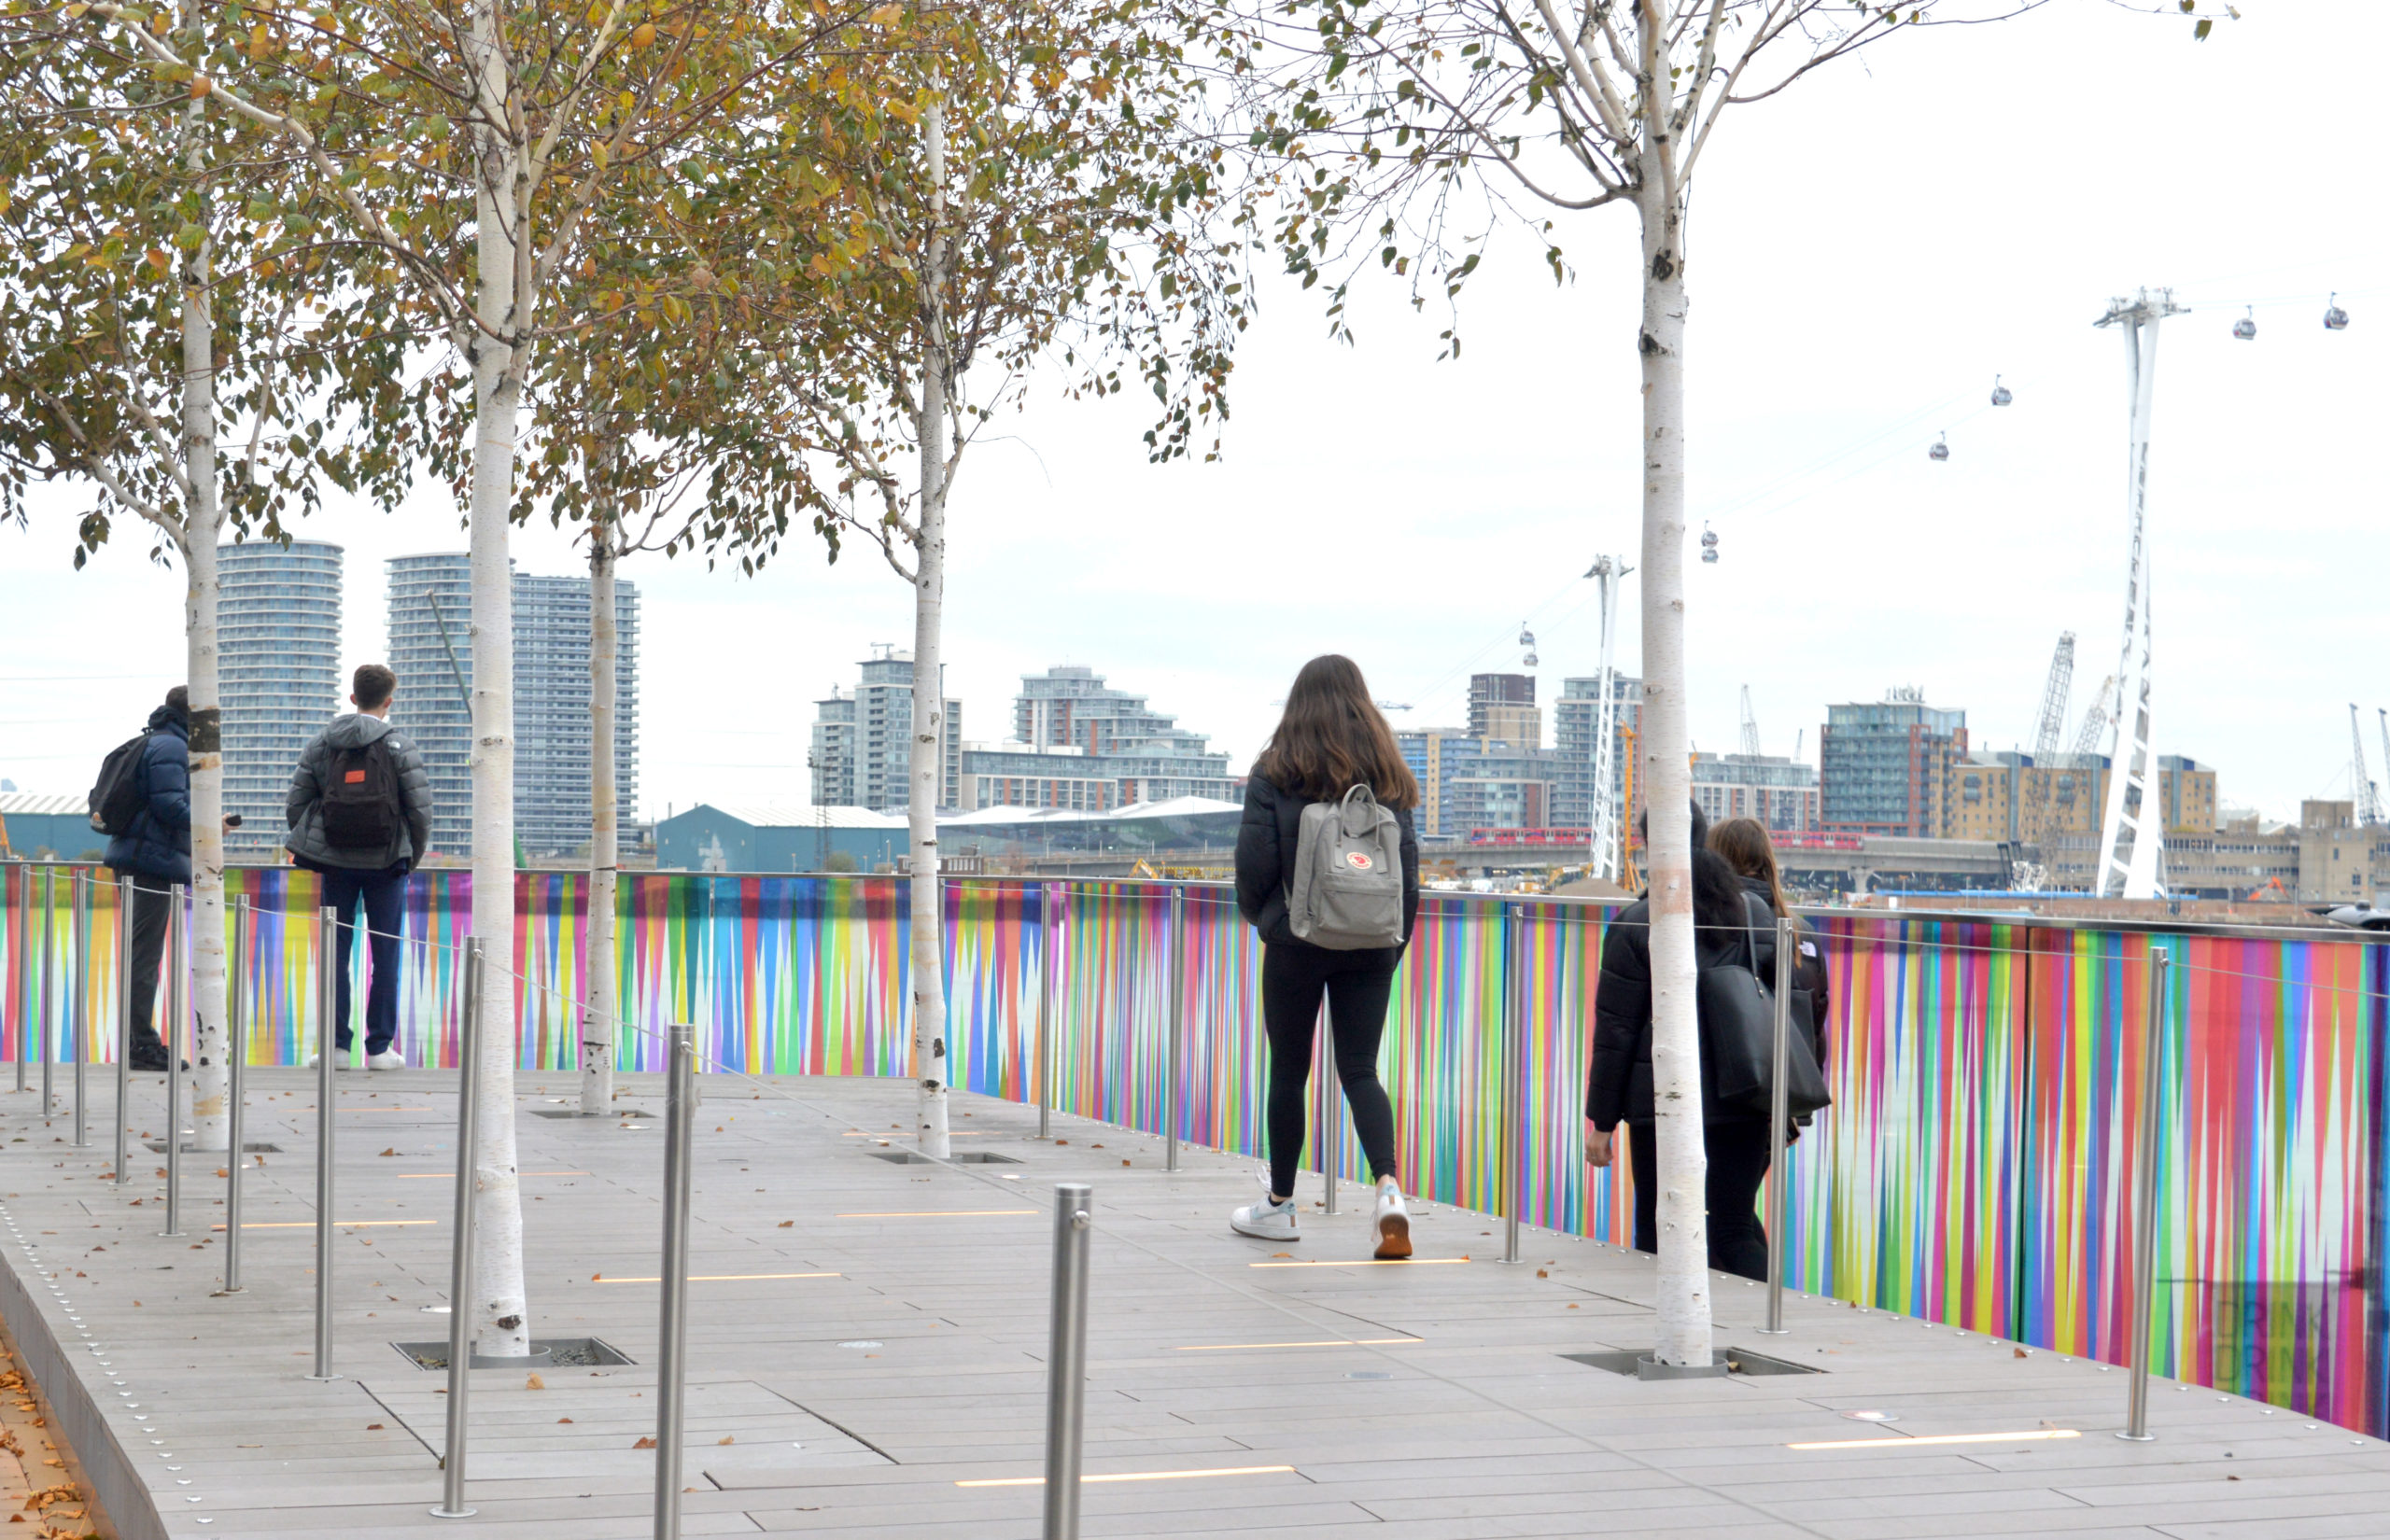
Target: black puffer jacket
x,y
1265,855
157,844
1618,1090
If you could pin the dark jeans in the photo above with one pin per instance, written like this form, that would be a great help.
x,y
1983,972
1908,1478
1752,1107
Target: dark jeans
x,y
383,897
1356,983
1738,1165
152,903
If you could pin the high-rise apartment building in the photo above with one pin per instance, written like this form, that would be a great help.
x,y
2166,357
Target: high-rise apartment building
x,y
1886,765
431,650
862,743
1083,744
1502,706
277,662
1575,718
1781,793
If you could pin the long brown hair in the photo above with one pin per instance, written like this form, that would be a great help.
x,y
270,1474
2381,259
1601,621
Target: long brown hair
x,y
1333,738
1748,849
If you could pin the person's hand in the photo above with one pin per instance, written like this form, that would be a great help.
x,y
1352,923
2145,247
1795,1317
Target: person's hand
x,y
1596,1145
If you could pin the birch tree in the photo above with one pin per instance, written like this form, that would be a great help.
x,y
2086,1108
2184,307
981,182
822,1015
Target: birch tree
x,y
1401,132
126,355
452,151
1037,199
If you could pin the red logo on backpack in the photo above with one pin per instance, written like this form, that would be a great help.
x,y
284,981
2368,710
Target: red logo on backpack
x,y
1357,860
355,777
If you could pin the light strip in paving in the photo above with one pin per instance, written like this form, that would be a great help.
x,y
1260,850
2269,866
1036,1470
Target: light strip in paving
x,y
1137,1476
451,1176
946,1214
337,1224
715,1277
1331,1342
1939,1438
1373,1262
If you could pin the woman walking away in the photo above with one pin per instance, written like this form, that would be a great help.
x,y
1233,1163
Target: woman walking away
x,y
1747,848
1619,1088
1327,813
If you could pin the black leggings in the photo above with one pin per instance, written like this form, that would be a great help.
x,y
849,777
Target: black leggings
x,y
1738,1155
1356,984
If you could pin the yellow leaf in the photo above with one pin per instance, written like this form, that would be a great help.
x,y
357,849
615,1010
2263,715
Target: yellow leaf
x,y
200,87
261,41
886,15
642,35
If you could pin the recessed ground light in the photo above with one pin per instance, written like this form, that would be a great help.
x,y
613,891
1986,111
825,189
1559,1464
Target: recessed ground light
x,y
859,1344
1872,1416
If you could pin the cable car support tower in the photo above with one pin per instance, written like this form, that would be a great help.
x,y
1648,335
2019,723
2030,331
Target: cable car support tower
x,y
1607,852
2132,835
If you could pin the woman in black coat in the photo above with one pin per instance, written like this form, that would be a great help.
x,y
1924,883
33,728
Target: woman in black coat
x,y
1618,1088
1330,739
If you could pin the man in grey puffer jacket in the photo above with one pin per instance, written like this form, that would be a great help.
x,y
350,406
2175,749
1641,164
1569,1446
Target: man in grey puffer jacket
x,y
370,876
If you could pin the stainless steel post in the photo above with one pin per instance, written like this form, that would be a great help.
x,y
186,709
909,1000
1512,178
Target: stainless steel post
x,y
48,977
672,1323
124,1018
2144,1201
178,1002
236,1053
327,1006
1046,912
461,1254
82,1007
1174,1075
1066,1360
1780,1113
1331,1121
1514,1081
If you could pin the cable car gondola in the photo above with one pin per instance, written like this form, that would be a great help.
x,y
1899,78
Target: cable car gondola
x,y
1529,660
1941,450
1708,543
2246,326
1999,396
1527,637
2335,318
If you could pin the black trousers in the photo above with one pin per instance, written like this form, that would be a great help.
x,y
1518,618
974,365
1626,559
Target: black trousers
x,y
1738,1155
1294,977
152,906
382,895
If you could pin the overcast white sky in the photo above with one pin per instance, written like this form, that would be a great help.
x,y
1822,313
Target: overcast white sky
x,y
1866,251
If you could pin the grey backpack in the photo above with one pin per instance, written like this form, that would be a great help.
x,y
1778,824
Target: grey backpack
x,y
1347,889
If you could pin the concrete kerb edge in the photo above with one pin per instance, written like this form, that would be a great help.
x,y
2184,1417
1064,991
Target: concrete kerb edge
x,y
120,1500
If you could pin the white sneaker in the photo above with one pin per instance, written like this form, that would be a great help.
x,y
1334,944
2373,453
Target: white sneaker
x,y
388,1058
1264,1220
342,1062
1393,1222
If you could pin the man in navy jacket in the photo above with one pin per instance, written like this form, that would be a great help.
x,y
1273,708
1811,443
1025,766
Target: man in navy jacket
x,y
155,852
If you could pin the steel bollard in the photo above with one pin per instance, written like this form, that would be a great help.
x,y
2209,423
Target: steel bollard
x,y
2145,1202
48,977
327,1007
82,904
1513,1099
1174,1076
124,1018
1050,907
1066,1360
178,1002
1780,1111
672,1321
236,1053
460,1255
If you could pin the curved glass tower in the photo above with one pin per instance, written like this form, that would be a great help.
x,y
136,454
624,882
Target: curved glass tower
x,y
277,616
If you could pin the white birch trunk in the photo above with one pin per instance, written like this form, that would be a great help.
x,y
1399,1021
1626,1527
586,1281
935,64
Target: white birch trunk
x,y
203,526
926,771
499,1305
598,1028
1683,1295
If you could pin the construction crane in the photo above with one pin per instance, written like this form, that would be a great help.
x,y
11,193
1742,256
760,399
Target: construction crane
x,y
2385,740
2095,722
1751,726
2368,807
2052,723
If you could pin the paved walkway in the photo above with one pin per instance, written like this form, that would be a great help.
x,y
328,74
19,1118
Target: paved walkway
x,y
867,1343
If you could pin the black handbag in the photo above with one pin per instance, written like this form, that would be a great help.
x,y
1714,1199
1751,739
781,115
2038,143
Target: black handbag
x,y
1738,1014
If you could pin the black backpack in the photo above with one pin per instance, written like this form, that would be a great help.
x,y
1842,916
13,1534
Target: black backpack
x,y
360,798
117,797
